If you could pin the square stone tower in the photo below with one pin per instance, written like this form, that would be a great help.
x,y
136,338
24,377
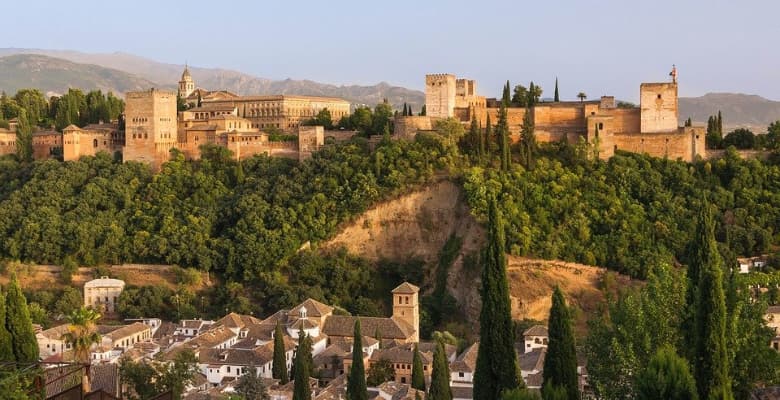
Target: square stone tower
x,y
658,105
440,95
406,307
150,126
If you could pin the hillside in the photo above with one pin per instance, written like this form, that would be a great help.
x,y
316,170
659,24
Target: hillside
x,y
739,110
417,225
167,75
54,75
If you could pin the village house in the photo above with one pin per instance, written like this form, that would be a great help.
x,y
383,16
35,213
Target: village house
x,y
773,321
535,337
103,294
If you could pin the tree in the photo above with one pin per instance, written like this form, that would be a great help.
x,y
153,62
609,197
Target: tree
x,y
773,136
667,376
6,347
250,386
520,96
528,146
24,137
502,130
488,139
556,98
423,111
81,335
380,372
356,380
506,97
177,375
560,363
200,99
19,325
280,359
418,377
302,373
496,359
582,96
710,358
440,375
519,394
740,138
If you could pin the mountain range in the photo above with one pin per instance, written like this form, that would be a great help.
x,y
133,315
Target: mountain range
x,y
162,75
54,71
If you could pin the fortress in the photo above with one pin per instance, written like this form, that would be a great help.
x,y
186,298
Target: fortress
x,y
153,127
651,128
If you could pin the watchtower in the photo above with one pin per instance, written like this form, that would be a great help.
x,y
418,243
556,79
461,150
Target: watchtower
x,y
440,95
406,307
658,107
186,84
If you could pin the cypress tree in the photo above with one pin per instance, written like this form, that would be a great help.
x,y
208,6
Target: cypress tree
x,y
280,361
410,110
528,141
531,97
418,378
24,149
19,324
506,96
556,99
496,360
667,376
474,138
503,138
356,380
488,137
720,124
560,363
440,375
200,99
6,349
710,360
301,389
423,111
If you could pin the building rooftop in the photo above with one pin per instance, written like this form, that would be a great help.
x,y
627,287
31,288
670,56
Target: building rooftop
x,y
340,325
406,288
536,330
466,361
104,281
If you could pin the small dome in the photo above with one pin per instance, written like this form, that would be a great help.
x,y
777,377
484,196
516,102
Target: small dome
x,y
186,74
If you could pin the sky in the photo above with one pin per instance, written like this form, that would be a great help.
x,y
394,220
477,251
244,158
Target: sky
x,y
600,47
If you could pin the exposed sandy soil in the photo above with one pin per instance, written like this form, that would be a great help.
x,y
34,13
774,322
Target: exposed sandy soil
x,y
47,277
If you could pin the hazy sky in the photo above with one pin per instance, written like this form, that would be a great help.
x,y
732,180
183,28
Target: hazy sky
x,y
600,47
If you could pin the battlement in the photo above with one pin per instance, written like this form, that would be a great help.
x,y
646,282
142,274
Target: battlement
x,y
438,78
145,94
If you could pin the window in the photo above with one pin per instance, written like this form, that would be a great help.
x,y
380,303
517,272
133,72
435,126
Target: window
x,y
659,96
94,143
461,374
601,125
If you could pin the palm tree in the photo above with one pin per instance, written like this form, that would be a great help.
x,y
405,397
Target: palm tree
x,y
81,335
582,96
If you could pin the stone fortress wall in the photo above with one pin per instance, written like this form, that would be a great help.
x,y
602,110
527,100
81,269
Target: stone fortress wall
x,y
651,128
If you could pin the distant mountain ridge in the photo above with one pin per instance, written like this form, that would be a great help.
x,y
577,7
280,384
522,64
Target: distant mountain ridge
x,y
54,75
738,110
167,75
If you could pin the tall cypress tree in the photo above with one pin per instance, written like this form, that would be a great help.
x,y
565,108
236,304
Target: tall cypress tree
x,y
418,377
423,111
488,138
19,324
474,138
496,360
440,375
503,137
280,361
528,140
506,96
6,348
560,363
557,98
301,389
720,124
710,359
356,380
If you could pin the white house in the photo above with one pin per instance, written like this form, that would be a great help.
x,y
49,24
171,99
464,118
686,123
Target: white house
x,y
192,327
103,294
462,369
50,341
773,321
535,337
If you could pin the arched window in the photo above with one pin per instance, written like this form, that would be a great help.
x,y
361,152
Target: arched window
x,y
94,143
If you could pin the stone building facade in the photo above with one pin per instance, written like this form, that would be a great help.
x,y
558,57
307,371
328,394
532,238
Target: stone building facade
x,y
651,128
103,293
150,126
7,141
283,112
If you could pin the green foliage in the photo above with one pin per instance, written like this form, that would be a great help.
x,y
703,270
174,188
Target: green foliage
x,y
82,333
519,394
440,376
741,138
356,380
710,356
556,97
6,345
622,340
554,392
496,359
280,360
302,368
323,118
560,363
380,372
251,387
187,276
528,146
418,376
24,151
631,212
502,133
667,376
147,380
19,324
